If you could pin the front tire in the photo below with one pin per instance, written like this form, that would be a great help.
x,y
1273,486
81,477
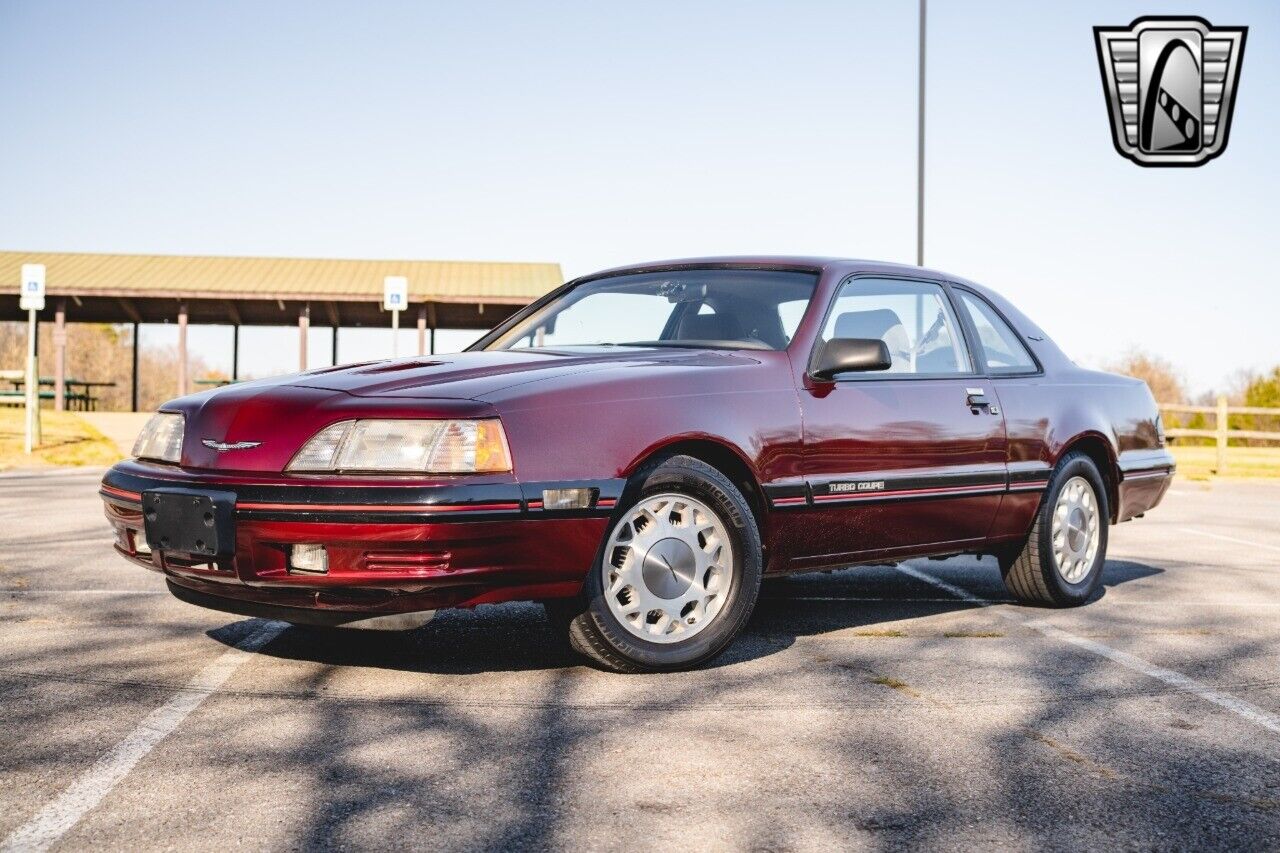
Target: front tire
x,y
1060,564
678,576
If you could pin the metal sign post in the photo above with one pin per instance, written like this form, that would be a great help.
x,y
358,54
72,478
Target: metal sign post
x,y
395,298
31,299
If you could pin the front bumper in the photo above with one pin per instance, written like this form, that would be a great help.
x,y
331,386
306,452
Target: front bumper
x,y
393,546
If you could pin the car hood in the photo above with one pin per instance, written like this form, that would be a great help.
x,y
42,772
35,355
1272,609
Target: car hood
x,y
472,375
258,426
274,417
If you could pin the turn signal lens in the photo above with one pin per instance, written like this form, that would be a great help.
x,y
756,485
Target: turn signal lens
x,y
161,438
319,452
409,446
309,559
141,546
553,499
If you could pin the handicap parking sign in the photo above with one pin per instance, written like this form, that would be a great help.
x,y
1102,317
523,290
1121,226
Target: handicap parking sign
x,y
31,294
395,293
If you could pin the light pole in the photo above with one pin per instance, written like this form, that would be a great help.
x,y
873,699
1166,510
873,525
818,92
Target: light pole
x,y
920,147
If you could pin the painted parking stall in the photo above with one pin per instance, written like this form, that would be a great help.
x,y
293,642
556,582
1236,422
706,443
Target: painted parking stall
x,y
872,706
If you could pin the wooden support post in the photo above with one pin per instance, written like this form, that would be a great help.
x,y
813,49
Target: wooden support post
x,y
233,313
60,356
335,320
183,385
134,384
422,330
431,319
304,325
1221,427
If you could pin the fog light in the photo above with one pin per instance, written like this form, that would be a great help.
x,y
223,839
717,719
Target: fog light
x,y
309,559
141,546
566,498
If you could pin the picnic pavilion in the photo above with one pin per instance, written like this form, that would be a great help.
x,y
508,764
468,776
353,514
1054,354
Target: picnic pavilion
x,y
137,289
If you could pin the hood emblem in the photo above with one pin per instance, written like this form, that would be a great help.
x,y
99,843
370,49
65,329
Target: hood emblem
x,y
223,446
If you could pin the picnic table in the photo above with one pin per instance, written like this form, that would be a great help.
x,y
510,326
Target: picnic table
x,y
83,400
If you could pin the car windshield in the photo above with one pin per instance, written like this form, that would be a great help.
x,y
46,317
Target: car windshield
x,y
717,308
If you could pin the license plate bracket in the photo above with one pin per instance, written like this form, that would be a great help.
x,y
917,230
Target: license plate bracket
x,y
199,522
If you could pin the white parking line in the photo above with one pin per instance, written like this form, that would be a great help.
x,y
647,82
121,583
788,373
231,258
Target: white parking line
x,y
1229,539
84,592
861,598
55,819
1142,602
1244,709
47,473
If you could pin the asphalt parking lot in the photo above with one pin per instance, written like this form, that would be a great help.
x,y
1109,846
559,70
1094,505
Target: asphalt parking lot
x,y
868,708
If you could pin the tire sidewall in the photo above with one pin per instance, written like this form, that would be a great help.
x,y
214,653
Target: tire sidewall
x,y
1074,593
685,476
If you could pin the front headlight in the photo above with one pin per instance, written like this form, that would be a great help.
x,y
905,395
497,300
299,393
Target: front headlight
x,y
426,447
161,438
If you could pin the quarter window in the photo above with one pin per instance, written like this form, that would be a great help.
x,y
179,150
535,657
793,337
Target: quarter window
x,y
998,344
913,318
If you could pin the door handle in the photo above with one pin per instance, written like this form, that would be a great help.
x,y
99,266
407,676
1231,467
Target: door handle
x,y
977,399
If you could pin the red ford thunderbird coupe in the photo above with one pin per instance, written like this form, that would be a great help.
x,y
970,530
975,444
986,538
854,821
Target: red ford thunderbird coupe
x,y
640,448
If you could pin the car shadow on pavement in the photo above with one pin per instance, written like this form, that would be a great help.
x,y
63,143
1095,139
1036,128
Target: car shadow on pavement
x,y
517,637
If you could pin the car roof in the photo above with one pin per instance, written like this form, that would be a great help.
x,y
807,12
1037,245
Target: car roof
x,y
840,267
816,263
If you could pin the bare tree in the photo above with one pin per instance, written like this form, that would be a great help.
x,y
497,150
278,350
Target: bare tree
x,y
101,352
1161,376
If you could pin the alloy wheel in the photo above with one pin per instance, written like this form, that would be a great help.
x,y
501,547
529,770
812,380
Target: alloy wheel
x,y
1075,530
668,568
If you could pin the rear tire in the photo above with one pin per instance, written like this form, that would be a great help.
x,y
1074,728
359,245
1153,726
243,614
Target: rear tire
x,y
678,575
1060,564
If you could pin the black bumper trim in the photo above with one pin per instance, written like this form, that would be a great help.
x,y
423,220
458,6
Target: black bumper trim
x,y
258,610
391,504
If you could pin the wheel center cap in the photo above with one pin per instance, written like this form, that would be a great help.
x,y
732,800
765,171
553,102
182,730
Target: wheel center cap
x,y
1076,530
668,568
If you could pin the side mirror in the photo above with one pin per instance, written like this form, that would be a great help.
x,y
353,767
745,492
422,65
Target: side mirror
x,y
848,355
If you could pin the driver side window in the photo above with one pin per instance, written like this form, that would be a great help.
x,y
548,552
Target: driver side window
x,y
913,318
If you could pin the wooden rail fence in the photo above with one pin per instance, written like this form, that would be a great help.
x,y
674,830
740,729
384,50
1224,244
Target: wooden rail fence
x,y
1221,432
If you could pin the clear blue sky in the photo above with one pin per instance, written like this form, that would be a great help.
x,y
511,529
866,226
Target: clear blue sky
x,y
595,134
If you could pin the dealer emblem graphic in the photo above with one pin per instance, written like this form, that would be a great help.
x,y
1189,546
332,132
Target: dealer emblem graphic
x,y
1170,86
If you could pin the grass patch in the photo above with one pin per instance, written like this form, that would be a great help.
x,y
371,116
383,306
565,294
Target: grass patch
x,y
887,632
900,686
1200,463
907,690
973,634
66,440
